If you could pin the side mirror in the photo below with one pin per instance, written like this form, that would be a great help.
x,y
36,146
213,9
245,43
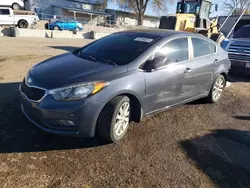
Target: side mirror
x,y
155,64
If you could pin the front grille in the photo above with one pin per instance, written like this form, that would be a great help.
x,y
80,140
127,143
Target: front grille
x,y
240,57
32,93
239,52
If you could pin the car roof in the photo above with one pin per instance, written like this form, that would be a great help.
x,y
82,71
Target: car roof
x,y
162,32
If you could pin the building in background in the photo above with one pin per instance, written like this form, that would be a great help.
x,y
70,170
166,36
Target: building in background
x,y
87,12
123,18
81,10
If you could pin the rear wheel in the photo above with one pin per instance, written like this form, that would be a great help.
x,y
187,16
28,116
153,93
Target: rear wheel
x,y
217,37
16,6
217,89
23,24
114,119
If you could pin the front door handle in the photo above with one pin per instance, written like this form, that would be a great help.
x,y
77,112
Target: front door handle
x,y
216,61
187,71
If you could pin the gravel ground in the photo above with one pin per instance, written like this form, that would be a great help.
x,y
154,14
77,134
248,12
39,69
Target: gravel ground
x,y
194,145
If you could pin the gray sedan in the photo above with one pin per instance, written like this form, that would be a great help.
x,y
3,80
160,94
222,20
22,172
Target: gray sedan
x,y
99,89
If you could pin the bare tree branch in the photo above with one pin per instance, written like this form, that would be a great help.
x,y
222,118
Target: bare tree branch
x,y
140,6
240,5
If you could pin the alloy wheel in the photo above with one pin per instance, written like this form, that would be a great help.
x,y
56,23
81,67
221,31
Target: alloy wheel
x,y
122,119
218,88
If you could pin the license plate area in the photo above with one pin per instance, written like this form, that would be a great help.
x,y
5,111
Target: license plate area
x,y
247,65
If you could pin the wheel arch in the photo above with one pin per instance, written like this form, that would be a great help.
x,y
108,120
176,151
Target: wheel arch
x,y
136,104
223,73
15,3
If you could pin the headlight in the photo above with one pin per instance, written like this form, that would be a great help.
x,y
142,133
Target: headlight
x,y
77,92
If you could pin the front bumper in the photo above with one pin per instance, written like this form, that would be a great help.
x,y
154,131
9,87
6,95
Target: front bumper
x,y
239,66
46,114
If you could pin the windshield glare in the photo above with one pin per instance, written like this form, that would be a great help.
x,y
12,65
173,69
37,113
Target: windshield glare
x,y
243,32
120,48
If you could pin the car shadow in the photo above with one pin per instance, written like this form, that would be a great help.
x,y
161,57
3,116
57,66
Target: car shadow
x,y
17,134
65,48
223,155
242,117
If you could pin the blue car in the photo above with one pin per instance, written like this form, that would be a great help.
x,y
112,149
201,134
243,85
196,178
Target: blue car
x,y
64,24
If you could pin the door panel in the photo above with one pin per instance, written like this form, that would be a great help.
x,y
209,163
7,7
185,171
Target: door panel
x,y
203,64
163,87
5,17
197,77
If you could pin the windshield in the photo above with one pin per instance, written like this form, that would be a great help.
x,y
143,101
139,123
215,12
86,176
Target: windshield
x,y
189,7
119,48
243,32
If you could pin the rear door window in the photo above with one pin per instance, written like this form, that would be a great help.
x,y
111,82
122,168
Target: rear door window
x,y
176,50
202,47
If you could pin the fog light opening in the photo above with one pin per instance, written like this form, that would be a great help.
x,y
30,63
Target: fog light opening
x,y
66,122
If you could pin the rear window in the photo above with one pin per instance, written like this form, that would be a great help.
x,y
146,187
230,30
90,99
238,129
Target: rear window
x,y
243,32
4,11
121,48
202,47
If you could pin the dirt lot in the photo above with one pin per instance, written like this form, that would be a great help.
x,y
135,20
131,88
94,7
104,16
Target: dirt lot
x,y
195,145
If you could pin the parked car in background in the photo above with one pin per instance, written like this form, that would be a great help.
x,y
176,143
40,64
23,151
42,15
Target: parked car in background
x,y
14,4
65,24
22,19
238,48
100,88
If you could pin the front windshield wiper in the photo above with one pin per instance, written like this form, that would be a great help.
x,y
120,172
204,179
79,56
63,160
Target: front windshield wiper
x,y
90,57
99,59
104,60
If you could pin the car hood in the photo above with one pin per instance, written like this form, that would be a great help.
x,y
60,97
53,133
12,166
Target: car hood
x,y
240,41
69,69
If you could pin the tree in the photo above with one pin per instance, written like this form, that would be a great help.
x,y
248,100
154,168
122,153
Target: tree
x,y
140,6
240,5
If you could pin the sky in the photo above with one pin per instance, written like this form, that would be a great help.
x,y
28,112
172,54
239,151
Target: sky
x,y
171,8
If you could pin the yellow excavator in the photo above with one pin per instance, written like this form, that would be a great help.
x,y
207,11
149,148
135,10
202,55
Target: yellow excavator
x,y
193,16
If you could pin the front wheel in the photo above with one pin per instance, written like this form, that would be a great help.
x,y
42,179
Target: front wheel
x,y
16,6
217,89
114,119
56,28
78,28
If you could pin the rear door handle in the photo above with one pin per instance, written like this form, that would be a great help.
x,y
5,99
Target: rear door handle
x,y
187,71
216,61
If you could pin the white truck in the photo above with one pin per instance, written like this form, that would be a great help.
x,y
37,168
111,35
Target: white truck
x,y
17,18
14,4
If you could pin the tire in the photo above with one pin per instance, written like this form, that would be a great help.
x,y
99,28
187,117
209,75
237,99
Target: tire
x,y
218,86
108,127
16,6
23,24
56,28
77,29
